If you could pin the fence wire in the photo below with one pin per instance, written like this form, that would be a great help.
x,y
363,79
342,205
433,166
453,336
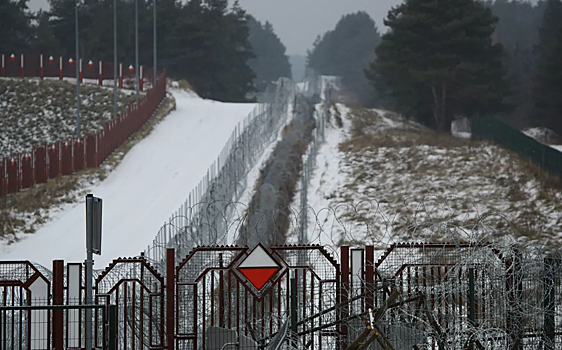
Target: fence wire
x,y
475,288
204,216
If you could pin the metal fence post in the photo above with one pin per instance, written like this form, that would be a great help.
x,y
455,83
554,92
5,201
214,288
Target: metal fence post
x,y
105,325
344,290
293,296
112,328
58,295
170,297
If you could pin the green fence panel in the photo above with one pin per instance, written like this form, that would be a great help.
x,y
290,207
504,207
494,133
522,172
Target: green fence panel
x,y
495,130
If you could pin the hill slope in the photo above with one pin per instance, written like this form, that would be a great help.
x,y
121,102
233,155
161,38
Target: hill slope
x,y
36,111
151,182
378,177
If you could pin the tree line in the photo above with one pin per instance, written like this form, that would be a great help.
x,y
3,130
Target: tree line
x,y
223,52
445,59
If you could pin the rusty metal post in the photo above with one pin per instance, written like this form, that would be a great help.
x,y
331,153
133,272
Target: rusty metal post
x,y
294,304
344,292
58,295
369,276
170,296
221,292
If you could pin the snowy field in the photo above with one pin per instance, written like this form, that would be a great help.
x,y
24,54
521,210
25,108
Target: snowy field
x,y
151,182
379,177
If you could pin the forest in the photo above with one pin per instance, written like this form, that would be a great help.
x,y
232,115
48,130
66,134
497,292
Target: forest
x,y
435,61
224,53
440,60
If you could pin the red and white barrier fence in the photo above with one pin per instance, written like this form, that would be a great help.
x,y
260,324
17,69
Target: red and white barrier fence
x,y
65,157
33,65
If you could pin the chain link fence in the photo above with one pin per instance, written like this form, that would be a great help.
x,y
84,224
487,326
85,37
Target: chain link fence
x,y
314,86
204,216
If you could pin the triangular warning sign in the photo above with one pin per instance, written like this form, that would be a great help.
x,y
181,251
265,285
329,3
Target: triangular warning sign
x,y
258,267
258,276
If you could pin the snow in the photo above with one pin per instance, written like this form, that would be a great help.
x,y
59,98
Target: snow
x,y
396,175
546,136
327,178
151,182
252,177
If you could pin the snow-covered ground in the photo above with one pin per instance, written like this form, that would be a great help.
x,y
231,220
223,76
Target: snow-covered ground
x,y
378,177
545,136
151,182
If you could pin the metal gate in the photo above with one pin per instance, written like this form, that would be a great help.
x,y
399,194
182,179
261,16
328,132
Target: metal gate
x,y
216,288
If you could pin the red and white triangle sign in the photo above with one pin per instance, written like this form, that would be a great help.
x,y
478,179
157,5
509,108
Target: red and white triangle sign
x,y
258,267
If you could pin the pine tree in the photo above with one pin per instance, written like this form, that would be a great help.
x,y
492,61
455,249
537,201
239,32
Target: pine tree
x,y
44,40
270,62
438,61
548,80
14,26
347,51
518,32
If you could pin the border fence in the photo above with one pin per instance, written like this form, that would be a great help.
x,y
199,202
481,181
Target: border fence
x,y
494,129
203,218
314,86
45,162
41,66
413,296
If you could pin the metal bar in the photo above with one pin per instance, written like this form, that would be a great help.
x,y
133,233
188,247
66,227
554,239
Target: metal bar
x,y
49,307
137,83
112,327
344,292
89,266
77,82
221,293
170,294
58,295
471,311
125,319
114,59
293,305
104,328
369,275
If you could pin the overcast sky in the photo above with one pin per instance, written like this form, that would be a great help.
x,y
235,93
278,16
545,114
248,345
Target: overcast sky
x,y
298,22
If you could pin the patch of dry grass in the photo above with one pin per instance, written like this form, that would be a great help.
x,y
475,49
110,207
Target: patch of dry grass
x,y
399,175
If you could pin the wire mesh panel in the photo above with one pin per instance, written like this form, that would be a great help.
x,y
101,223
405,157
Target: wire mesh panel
x,y
204,217
477,295
213,294
23,284
137,290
